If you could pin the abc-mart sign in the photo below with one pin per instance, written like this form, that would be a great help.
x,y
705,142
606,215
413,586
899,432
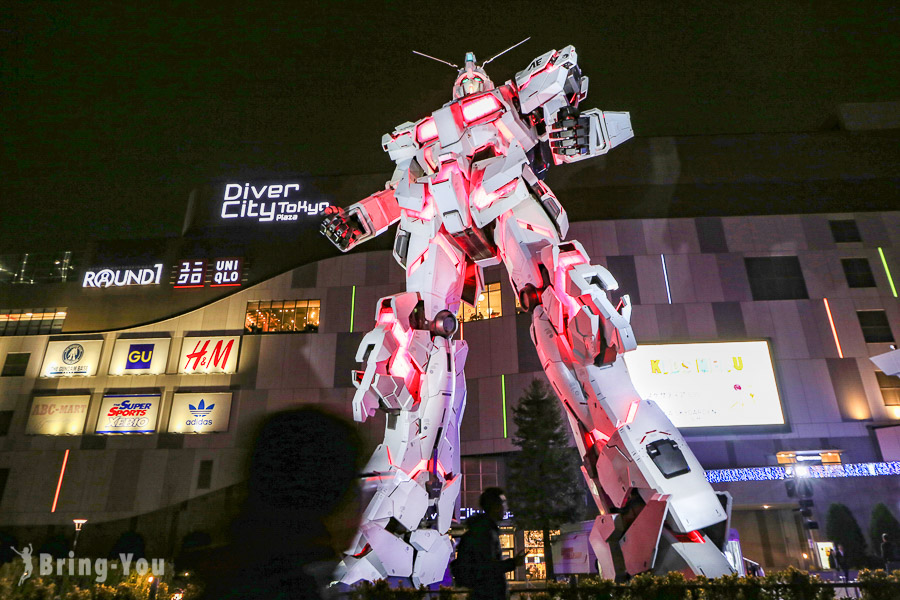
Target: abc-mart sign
x,y
77,358
123,277
57,415
200,413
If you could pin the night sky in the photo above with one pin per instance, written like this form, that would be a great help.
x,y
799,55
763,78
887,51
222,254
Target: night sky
x,y
111,113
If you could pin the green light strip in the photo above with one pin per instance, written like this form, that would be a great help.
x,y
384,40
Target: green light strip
x,y
352,307
888,271
503,392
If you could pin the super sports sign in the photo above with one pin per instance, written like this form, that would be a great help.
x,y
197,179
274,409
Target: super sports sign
x,y
267,203
135,413
714,384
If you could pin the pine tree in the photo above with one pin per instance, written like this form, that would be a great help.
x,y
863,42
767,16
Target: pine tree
x,y
545,487
841,528
883,521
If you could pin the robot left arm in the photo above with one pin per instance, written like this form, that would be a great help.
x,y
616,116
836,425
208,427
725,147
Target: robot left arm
x,y
360,222
551,89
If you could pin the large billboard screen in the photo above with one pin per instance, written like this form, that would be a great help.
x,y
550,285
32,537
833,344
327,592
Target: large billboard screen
x,y
128,413
710,384
57,415
71,359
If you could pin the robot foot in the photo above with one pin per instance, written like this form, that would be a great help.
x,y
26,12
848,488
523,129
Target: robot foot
x,y
420,557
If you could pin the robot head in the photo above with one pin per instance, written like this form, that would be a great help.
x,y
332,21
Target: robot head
x,y
471,79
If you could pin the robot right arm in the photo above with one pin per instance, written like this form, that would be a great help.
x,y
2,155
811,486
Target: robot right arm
x,y
371,216
360,222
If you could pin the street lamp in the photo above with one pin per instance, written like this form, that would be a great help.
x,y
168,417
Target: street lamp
x,y
78,525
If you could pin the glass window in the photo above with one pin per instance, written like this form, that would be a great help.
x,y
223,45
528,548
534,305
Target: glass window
x,y
776,278
890,388
875,326
204,477
16,363
858,272
25,321
5,421
286,316
845,230
535,563
486,307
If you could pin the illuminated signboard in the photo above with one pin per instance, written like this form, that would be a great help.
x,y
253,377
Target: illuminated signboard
x,y
209,354
715,384
121,277
57,415
200,413
70,359
139,357
266,203
128,413
226,272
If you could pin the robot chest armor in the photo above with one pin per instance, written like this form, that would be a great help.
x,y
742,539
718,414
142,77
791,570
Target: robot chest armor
x,y
467,168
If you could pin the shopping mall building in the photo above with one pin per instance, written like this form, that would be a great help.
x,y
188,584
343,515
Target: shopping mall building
x,y
762,269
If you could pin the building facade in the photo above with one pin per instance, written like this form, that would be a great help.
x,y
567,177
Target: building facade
x,y
147,427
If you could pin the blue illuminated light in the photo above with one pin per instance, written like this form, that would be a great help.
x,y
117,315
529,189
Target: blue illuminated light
x,y
814,472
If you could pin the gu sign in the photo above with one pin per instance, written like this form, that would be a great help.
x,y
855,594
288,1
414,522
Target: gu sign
x,y
200,413
120,277
57,415
73,358
209,354
139,357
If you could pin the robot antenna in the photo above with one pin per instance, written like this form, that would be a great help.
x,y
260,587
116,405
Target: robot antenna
x,y
437,59
505,51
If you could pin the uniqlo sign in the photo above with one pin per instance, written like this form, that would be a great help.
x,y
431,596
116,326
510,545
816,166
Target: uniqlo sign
x,y
209,354
190,274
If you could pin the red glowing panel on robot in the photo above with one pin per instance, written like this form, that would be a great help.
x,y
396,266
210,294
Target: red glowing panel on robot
x,y
482,200
426,131
535,228
570,260
400,366
479,107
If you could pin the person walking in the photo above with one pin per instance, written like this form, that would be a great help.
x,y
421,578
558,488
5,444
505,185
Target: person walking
x,y
889,553
489,566
841,562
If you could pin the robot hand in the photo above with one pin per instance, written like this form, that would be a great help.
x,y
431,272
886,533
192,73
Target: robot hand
x,y
569,135
342,229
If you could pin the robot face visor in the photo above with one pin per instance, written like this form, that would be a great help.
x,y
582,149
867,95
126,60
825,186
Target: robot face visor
x,y
471,83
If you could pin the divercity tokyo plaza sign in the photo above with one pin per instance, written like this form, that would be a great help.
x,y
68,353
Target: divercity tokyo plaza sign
x,y
267,203
121,277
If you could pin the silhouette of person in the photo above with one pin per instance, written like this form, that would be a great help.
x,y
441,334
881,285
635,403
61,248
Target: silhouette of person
x,y
889,553
302,510
29,566
485,548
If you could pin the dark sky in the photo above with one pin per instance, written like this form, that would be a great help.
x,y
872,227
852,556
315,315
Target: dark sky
x,y
111,112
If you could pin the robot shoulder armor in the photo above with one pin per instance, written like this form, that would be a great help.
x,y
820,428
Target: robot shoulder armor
x,y
402,137
567,58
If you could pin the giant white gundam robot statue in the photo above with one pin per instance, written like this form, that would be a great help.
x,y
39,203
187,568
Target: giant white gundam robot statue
x,y
468,193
